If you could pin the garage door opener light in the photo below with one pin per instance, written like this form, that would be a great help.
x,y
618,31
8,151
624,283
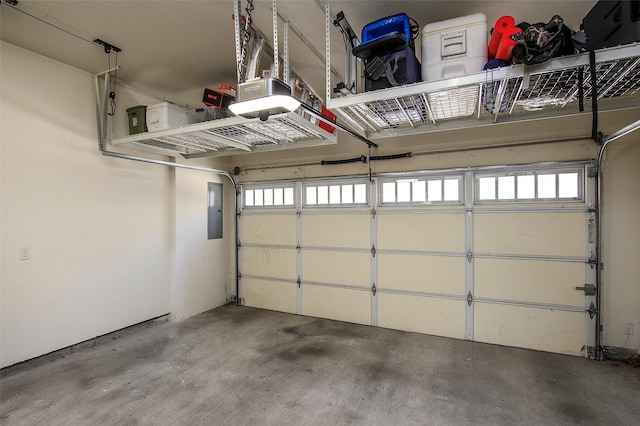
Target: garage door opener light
x,y
263,97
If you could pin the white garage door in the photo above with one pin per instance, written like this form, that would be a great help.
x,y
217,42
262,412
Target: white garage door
x,y
493,255
267,258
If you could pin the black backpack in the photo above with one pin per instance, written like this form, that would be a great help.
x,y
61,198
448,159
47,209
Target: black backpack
x,y
540,42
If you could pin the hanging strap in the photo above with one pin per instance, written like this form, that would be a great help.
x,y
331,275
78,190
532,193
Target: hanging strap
x,y
391,69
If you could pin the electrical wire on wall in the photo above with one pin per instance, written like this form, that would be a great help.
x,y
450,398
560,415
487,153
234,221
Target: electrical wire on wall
x,y
108,48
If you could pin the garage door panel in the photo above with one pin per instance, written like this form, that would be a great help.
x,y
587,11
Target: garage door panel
x,y
269,229
557,234
429,274
533,328
429,315
337,267
342,231
428,232
530,281
337,303
273,295
269,262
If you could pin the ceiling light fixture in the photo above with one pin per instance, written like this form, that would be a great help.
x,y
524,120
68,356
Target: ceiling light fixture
x,y
263,97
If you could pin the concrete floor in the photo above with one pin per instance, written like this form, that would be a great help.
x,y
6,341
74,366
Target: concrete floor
x,y
237,365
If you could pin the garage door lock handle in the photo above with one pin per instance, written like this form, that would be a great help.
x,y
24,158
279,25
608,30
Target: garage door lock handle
x,y
589,289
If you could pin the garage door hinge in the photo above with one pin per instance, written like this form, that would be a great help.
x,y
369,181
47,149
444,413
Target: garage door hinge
x,y
299,282
299,213
592,310
373,289
239,244
298,247
373,213
469,298
469,256
239,275
593,261
373,250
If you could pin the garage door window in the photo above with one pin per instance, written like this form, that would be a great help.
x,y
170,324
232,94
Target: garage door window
x,y
421,191
335,194
269,197
530,186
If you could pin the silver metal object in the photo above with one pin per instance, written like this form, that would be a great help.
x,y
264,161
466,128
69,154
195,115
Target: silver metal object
x,y
589,289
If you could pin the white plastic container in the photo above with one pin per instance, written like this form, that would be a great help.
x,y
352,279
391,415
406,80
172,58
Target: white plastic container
x,y
165,116
455,47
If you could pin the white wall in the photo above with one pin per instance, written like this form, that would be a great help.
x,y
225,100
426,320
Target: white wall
x,y
621,227
106,235
204,269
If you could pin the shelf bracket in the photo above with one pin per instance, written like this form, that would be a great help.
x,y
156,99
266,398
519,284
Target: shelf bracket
x,y
108,47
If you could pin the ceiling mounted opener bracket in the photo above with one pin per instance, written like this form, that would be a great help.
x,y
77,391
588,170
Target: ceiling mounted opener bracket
x,y
108,47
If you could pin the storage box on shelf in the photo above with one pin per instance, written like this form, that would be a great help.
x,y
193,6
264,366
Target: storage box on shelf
x,y
206,114
165,116
611,23
137,119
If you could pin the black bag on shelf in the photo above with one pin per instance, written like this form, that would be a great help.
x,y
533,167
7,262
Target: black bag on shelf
x,y
540,42
612,23
392,69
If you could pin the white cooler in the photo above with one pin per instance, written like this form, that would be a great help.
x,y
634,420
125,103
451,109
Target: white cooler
x,y
454,47
165,116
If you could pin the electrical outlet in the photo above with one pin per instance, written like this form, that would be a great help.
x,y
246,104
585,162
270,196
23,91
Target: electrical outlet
x,y
25,253
628,328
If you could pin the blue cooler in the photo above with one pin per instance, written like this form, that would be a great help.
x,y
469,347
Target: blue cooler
x,y
396,24
386,34
388,52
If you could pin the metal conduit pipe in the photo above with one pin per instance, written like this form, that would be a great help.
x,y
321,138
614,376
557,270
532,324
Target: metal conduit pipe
x,y
170,164
606,141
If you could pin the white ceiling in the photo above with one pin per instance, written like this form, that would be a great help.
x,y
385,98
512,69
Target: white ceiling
x,y
179,47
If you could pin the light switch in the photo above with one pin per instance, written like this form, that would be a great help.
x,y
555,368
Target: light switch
x,y
25,253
